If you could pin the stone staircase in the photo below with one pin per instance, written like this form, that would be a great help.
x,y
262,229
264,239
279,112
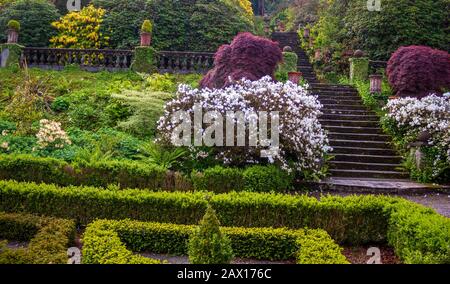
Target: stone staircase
x,y
303,65
361,150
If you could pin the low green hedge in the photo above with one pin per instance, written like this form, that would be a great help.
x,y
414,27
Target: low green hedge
x,y
255,243
413,230
418,234
50,170
355,220
48,239
129,174
255,178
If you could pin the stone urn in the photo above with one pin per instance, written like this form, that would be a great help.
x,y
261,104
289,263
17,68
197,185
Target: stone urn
x,y
146,39
294,77
13,36
375,83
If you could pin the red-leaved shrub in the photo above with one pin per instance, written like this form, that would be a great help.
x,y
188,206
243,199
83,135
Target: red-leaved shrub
x,y
248,56
417,71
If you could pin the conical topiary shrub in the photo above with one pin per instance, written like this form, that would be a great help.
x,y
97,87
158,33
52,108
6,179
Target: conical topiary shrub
x,y
207,244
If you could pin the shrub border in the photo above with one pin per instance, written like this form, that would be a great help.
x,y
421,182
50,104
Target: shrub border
x,y
49,238
253,243
417,233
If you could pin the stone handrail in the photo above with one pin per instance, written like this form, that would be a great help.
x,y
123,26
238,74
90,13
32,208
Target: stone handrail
x,y
184,62
115,60
87,59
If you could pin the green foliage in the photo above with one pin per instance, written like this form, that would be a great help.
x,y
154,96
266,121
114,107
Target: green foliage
x,y
195,25
255,243
102,172
375,102
144,60
13,24
289,64
147,26
122,21
355,220
254,178
48,239
266,179
403,23
207,244
35,17
317,247
147,108
28,103
419,235
102,246
359,69
218,179
213,23
157,155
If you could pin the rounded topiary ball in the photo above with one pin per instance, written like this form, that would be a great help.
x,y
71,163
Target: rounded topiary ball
x,y
14,25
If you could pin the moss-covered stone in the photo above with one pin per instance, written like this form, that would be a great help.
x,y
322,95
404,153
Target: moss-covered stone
x,y
359,69
10,54
144,60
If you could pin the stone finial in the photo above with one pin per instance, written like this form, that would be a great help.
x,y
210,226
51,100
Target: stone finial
x,y
287,49
358,53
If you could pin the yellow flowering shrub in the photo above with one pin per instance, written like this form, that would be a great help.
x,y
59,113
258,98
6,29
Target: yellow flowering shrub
x,y
80,29
244,5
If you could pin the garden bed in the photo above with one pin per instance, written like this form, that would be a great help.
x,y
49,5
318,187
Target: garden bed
x,y
417,234
32,239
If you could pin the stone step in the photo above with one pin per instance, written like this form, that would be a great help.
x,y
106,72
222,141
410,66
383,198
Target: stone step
x,y
364,151
335,93
349,117
348,129
349,123
353,102
358,136
369,174
365,166
359,143
367,159
343,107
335,86
334,96
348,112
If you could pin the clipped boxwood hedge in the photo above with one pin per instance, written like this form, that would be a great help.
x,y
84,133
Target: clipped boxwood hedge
x,y
130,174
49,170
355,220
418,234
48,239
257,243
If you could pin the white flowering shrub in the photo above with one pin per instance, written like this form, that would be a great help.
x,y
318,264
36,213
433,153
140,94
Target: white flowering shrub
x,y
430,114
302,141
51,135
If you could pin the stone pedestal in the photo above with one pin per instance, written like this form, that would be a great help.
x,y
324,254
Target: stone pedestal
x,y
10,54
359,69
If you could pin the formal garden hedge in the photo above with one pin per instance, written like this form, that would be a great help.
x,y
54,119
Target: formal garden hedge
x,y
48,239
131,174
418,234
166,238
